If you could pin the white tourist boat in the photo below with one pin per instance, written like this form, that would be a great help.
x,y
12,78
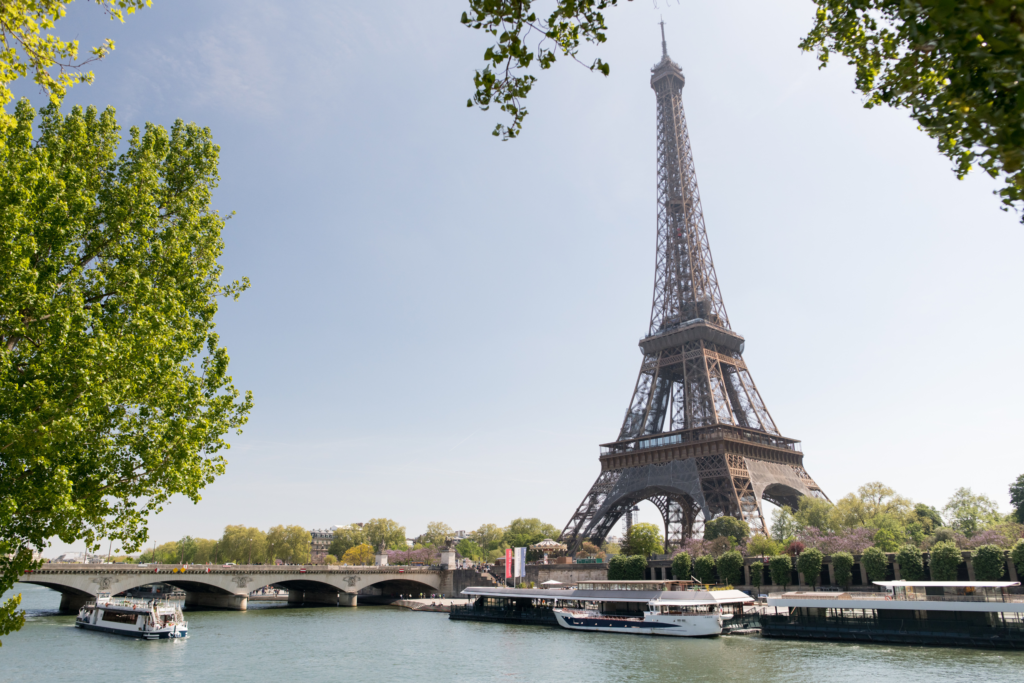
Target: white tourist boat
x,y
148,619
663,617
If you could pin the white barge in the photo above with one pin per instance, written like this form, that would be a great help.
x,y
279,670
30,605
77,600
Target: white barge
x,y
148,619
664,608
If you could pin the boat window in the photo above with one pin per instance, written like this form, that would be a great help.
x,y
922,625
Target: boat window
x,y
119,617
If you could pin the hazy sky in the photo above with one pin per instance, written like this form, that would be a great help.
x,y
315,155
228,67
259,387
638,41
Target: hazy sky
x,y
444,327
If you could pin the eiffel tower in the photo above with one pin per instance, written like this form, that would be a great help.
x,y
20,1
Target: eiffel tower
x,y
697,440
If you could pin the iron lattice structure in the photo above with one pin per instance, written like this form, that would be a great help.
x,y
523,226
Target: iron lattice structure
x,y
697,439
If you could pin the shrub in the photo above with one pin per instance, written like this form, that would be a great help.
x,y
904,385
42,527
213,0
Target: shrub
x,y
911,563
730,567
330,559
704,568
989,563
681,566
945,558
756,575
1017,555
795,548
726,527
627,568
809,565
780,568
842,565
875,564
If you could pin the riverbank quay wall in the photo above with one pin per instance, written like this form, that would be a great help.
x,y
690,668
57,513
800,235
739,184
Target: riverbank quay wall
x,y
229,587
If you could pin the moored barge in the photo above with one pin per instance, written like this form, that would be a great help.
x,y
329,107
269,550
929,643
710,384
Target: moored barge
x,y
945,613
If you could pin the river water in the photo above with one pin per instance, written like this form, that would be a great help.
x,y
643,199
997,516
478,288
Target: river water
x,y
273,642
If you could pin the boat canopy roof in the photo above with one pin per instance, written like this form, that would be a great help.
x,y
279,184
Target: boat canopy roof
x,y
948,584
657,597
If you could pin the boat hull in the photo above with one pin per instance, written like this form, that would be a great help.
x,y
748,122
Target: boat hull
x,y
686,626
131,633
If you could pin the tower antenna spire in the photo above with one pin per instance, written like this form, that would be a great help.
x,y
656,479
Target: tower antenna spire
x,y
664,47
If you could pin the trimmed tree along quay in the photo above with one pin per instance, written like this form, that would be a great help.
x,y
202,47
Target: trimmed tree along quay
x,y
681,567
705,569
809,564
989,563
911,563
627,568
945,558
756,575
730,567
780,568
875,564
842,565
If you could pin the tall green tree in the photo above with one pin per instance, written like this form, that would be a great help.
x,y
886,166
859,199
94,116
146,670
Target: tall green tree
x,y
681,567
525,531
876,564
109,284
704,567
958,67
756,576
727,527
730,567
243,544
784,525
382,534
644,539
842,565
291,544
436,534
187,548
970,512
989,563
627,568
1017,498
489,537
345,538
1017,556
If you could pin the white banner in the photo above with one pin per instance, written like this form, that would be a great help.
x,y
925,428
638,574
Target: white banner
x,y
519,570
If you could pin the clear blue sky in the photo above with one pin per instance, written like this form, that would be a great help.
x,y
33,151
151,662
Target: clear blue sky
x,y
444,327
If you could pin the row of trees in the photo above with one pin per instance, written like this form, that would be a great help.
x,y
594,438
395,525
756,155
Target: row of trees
x,y
239,544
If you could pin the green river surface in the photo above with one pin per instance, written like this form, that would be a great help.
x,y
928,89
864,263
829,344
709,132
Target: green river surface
x,y
273,642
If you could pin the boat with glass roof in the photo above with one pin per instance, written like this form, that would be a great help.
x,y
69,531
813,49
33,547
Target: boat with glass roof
x,y
138,618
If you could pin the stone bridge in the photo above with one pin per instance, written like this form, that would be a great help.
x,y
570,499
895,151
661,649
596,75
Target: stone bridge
x,y
229,587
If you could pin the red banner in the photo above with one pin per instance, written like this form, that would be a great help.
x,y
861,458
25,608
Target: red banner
x,y
508,563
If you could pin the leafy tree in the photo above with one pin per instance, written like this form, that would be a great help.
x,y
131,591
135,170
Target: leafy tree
x,y
470,549
591,550
489,537
206,551
784,524
330,559
762,546
290,544
911,563
165,553
842,565
794,548
644,539
345,538
524,532
875,563
242,544
815,512
781,568
29,48
989,563
187,548
968,512
872,505
809,564
944,559
108,290
886,541
756,576
436,534
681,566
384,533
359,556
730,567
955,65
1017,555
727,527
705,569
627,568
1017,498
930,514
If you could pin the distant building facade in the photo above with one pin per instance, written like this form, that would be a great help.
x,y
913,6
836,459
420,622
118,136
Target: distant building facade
x,y
320,543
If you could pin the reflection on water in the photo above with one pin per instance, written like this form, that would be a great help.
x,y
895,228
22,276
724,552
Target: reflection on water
x,y
275,642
